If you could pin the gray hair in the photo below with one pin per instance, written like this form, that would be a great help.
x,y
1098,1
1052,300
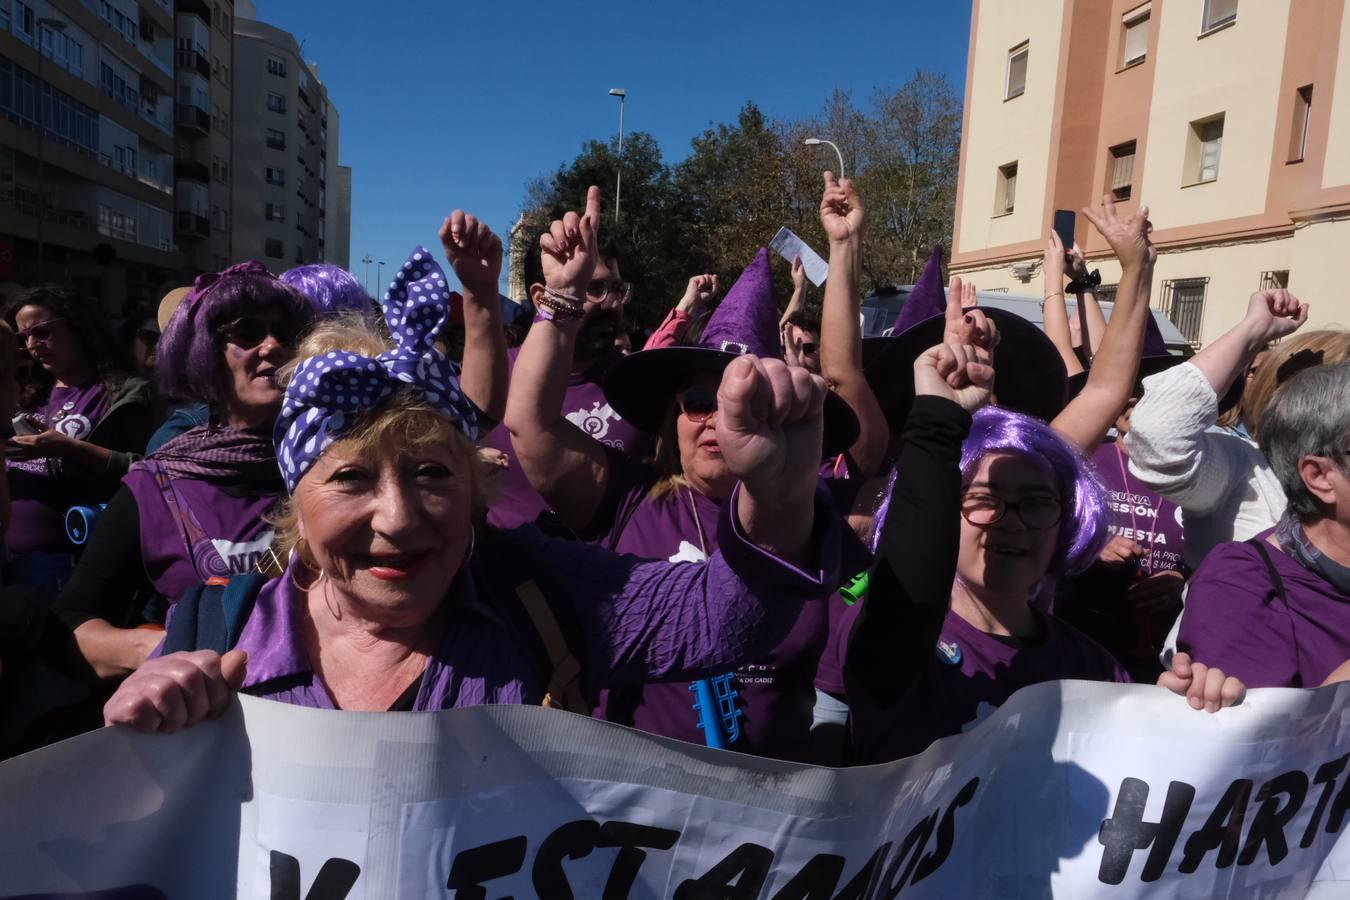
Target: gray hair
x,y
1309,415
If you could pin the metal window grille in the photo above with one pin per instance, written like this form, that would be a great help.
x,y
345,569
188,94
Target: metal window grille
x,y
1106,293
1275,280
1184,303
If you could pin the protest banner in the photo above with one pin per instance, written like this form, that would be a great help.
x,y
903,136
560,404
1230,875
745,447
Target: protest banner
x,y
1070,790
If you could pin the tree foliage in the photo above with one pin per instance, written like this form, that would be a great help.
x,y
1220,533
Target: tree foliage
x,y
744,180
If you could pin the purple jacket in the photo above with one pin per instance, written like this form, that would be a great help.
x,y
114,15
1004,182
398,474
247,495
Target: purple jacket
x,y
627,620
1236,620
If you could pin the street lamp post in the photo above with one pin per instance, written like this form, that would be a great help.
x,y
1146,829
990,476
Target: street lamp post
x,y
365,277
618,179
379,276
54,26
814,142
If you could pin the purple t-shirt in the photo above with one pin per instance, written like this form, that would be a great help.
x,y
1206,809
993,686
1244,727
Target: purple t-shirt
x,y
39,493
969,675
515,501
1140,514
774,694
1236,620
226,532
637,620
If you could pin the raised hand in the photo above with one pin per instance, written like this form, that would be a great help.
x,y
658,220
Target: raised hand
x,y
568,248
1203,687
1052,265
841,211
798,274
700,290
1128,237
966,324
1078,269
769,426
474,252
177,690
1274,314
962,373
1119,551
793,338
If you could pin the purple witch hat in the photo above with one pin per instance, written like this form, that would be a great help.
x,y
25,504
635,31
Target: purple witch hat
x,y
928,297
642,386
1154,358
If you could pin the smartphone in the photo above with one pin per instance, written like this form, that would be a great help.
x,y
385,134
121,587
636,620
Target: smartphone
x,y
1064,226
26,424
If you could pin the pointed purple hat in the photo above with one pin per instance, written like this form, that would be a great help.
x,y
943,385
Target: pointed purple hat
x,y
640,387
927,298
1154,358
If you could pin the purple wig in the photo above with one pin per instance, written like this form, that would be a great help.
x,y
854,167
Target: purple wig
x,y
1082,531
189,364
330,289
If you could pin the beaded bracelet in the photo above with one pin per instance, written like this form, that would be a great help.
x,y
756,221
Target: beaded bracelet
x,y
564,299
551,310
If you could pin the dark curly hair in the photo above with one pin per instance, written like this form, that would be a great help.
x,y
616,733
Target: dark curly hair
x,y
98,345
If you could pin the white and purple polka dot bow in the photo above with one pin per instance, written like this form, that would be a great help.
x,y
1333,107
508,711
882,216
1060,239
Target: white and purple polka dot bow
x,y
328,391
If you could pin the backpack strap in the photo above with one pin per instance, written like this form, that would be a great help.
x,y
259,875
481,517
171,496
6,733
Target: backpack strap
x,y
211,616
564,684
1275,580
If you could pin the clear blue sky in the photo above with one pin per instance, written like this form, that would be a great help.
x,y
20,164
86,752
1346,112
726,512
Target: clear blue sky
x,y
448,105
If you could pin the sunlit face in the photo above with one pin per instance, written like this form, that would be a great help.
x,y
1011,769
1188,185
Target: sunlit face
x,y
391,531
1008,557
251,395
604,312
700,453
49,340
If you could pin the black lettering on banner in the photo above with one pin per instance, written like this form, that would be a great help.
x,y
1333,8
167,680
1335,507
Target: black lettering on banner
x,y
478,864
1336,817
1222,830
911,848
816,880
946,833
633,842
1326,775
860,885
1272,816
573,840
1126,831
335,880
748,866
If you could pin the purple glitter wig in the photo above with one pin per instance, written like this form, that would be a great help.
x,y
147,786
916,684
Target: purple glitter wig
x,y
189,364
1082,530
330,289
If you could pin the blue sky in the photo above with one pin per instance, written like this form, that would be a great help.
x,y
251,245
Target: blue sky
x,y
448,105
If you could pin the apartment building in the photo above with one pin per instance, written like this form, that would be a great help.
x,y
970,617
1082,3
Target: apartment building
x,y
203,64
87,145
1229,118
291,199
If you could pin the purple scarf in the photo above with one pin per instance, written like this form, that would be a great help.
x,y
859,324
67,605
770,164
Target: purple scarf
x,y
226,456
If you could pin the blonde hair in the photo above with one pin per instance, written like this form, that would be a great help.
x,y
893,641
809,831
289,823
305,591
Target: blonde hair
x,y
404,422
1333,344
666,456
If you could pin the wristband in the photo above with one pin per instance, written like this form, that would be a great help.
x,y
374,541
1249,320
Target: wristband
x,y
565,299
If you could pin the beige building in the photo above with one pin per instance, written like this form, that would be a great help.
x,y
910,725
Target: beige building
x,y
1229,118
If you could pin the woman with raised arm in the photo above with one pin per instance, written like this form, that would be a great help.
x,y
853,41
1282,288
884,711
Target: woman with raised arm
x,y
397,596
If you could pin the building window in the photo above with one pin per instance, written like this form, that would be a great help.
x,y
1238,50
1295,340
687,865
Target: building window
x,y
1120,171
1203,146
1184,303
276,176
24,22
274,248
1218,13
276,102
221,170
276,139
1134,36
4,15
1106,293
1298,134
276,65
1005,191
1275,280
276,212
1017,71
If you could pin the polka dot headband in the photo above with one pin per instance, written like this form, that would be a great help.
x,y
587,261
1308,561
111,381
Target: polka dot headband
x,y
329,391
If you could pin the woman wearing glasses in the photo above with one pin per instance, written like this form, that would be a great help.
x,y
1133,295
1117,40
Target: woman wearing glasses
x,y
666,509
196,508
81,418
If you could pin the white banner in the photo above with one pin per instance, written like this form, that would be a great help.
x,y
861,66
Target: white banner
x,y
1071,790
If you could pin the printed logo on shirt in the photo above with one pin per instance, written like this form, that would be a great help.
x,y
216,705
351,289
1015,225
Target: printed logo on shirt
x,y
243,556
689,553
596,421
76,426
949,653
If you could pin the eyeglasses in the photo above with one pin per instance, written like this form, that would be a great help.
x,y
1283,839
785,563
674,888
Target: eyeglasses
x,y
808,348
249,332
599,290
41,332
698,402
1036,512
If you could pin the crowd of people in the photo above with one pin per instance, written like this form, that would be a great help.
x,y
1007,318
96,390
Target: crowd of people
x,y
758,531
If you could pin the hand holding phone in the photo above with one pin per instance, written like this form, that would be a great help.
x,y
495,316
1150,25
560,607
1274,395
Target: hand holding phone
x,y
26,424
1065,221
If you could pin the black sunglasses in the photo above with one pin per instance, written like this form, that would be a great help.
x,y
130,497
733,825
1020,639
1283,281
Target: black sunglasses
x,y
698,402
41,332
248,332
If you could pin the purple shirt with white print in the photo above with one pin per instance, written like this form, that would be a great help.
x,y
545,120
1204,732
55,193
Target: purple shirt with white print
x,y
636,621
